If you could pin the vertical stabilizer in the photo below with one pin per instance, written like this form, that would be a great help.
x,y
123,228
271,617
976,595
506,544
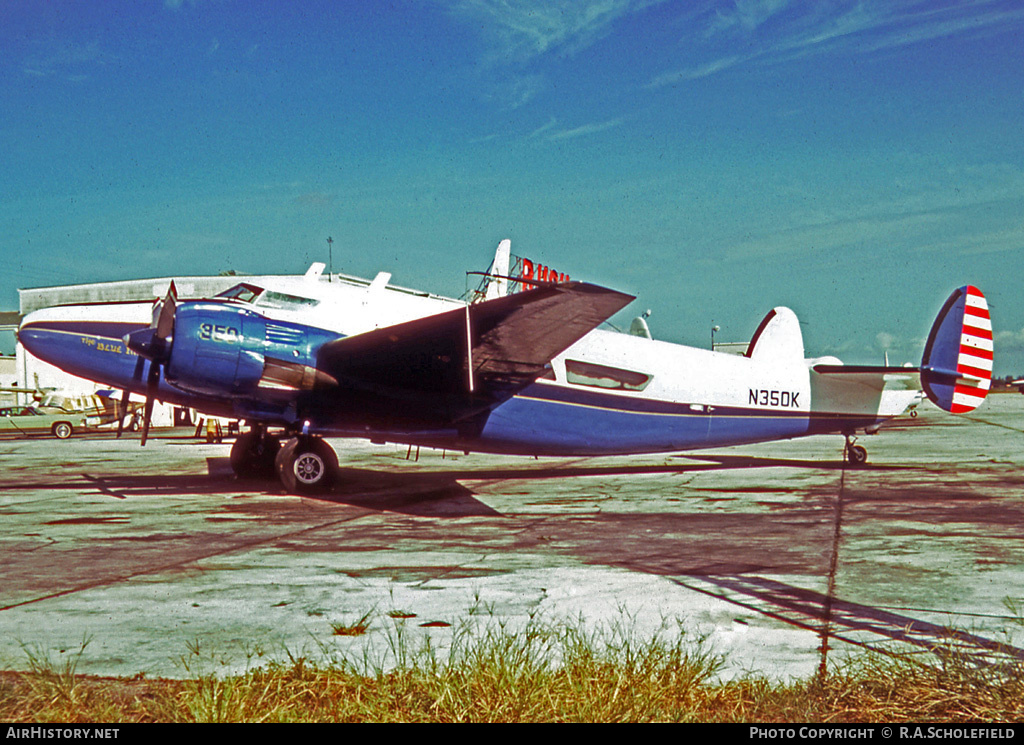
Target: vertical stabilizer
x,y
956,370
778,338
497,282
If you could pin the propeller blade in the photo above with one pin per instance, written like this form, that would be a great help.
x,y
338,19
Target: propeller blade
x,y
122,409
154,342
147,413
165,321
151,386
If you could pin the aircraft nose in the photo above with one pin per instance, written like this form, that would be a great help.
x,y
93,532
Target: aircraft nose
x,y
38,341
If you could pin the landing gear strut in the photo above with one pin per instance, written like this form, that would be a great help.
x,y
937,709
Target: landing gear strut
x,y
306,465
856,455
253,454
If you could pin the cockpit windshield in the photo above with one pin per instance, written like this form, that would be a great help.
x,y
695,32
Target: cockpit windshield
x,y
247,293
244,293
283,301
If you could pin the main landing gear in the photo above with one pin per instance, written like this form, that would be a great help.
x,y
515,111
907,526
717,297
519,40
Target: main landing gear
x,y
856,455
253,454
305,464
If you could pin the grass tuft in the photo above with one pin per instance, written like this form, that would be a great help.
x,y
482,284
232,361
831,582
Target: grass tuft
x,y
352,629
541,672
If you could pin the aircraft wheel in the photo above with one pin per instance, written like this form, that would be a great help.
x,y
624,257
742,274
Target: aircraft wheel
x,y
253,456
307,465
62,430
857,455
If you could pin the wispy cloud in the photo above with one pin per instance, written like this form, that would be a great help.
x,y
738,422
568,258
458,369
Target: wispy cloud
x,y
551,132
744,14
779,31
551,124
702,70
521,29
585,129
68,59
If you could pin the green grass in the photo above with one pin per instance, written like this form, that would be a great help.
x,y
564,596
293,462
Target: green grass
x,y
358,628
540,673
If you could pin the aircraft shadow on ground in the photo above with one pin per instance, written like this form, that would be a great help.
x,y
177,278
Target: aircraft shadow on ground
x,y
434,491
438,491
861,625
548,470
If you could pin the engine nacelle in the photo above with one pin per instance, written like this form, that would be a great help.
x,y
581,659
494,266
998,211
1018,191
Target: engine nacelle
x,y
216,350
223,350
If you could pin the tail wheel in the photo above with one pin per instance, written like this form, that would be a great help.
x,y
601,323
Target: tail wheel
x,y
857,455
307,465
62,430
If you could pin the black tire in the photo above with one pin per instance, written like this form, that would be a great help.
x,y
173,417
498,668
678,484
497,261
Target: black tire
x,y
307,465
62,430
253,457
857,455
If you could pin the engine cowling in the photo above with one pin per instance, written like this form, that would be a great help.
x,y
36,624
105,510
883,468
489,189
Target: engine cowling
x,y
222,350
216,350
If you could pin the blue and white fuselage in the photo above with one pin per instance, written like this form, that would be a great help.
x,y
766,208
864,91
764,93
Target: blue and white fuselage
x,y
253,353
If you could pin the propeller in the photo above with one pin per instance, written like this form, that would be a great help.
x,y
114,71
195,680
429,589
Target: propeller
x,y
154,344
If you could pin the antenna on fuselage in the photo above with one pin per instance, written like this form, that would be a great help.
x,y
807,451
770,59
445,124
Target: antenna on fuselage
x,y
330,258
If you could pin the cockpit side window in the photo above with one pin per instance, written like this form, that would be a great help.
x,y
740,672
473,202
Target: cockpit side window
x,y
244,293
600,376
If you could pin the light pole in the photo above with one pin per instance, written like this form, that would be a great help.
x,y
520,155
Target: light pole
x,y
713,330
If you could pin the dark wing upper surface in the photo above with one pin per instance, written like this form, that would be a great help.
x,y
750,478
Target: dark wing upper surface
x,y
485,351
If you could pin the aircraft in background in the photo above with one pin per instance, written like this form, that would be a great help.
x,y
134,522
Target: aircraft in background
x,y
99,408
526,373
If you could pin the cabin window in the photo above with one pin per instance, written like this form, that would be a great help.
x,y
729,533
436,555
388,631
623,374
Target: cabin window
x,y
600,376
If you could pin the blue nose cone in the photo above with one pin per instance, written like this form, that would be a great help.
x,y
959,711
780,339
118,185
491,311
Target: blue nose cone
x,y
42,343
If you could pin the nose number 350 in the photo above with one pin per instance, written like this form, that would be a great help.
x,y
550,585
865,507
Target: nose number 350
x,y
218,333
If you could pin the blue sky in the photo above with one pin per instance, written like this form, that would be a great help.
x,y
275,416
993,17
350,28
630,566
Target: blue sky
x,y
854,161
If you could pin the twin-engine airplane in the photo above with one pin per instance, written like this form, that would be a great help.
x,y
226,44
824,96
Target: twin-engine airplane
x,y
525,373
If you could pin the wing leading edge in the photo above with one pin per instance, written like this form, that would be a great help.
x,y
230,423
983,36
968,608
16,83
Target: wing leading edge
x,y
464,361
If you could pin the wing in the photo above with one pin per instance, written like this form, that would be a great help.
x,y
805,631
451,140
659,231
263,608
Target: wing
x,y
463,361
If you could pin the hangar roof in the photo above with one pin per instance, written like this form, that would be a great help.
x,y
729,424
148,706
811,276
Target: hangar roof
x,y
130,290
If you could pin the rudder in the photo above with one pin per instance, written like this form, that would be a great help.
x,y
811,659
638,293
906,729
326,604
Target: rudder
x,y
956,370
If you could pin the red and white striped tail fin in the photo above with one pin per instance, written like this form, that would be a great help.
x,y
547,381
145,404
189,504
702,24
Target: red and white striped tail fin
x,y
957,367
976,354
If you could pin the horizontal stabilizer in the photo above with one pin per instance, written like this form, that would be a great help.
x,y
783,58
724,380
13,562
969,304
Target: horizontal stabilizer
x,y
956,370
863,369
874,377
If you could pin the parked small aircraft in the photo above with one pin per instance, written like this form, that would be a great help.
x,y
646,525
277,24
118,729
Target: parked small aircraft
x,y
526,373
